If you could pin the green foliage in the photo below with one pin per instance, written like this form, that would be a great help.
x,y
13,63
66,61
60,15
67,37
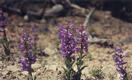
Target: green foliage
x,y
6,50
126,78
97,73
5,44
69,71
89,56
80,67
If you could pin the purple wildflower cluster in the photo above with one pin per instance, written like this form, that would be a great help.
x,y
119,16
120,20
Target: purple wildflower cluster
x,y
3,24
28,46
119,62
71,43
82,40
73,40
29,60
4,40
68,42
2,20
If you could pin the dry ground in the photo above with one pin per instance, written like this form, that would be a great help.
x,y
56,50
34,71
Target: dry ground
x,y
50,67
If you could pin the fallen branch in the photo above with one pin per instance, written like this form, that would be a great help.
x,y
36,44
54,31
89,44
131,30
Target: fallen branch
x,y
37,13
75,6
54,10
88,17
96,40
102,42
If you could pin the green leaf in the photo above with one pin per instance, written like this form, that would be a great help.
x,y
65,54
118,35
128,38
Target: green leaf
x,y
64,68
6,50
83,56
82,68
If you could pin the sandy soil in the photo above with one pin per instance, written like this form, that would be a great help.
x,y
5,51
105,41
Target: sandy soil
x,y
50,67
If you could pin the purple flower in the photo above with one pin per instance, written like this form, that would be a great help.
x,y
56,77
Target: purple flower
x,y
2,23
27,62
82,38
35,35
21,47
68,42
25,43
119,62
25,65
2,20
68,21
73,40
30,57
28,46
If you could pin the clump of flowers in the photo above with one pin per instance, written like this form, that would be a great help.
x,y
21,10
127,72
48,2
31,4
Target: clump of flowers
x,y
28,45
4,40
82,47
120,63
73,40
68,45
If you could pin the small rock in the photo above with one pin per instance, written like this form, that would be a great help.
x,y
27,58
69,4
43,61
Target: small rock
x,y
20,24
36,65
12,68
26,17
4,72
25,73
49,51
52,67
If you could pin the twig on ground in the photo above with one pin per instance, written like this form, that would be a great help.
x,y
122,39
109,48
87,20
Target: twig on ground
x,y
88,17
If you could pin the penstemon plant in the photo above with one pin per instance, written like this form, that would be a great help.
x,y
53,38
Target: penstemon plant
x,y
4,40
73,40
68,45
82,48
28,45
120,63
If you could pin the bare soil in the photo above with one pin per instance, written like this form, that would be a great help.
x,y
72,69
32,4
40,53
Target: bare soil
x,y
50,67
